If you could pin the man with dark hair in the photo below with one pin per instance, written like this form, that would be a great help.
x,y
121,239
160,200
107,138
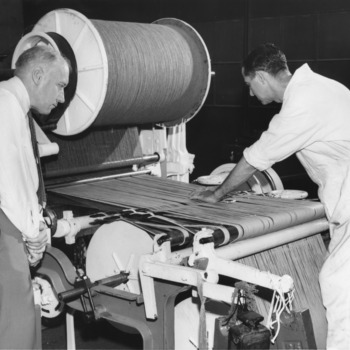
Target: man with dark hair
x,y
267,58
41,75
313,123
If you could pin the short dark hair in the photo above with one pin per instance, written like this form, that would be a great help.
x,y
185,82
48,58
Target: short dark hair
x,y
266,57
39,53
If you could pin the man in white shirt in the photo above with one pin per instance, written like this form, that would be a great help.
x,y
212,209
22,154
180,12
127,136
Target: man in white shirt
x,y
313,123
41,75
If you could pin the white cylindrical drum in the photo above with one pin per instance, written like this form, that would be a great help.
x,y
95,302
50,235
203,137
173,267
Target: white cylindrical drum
x,y
130,73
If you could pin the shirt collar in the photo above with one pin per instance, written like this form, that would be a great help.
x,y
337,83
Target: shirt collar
x,y
298,75
17,88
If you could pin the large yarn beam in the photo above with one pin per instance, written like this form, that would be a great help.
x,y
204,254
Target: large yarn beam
x,y
128,73
156,73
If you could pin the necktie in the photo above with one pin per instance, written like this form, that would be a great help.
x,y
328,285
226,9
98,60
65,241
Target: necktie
x,y
41,190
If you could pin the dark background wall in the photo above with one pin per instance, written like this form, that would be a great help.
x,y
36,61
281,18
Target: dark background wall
x,y
312,31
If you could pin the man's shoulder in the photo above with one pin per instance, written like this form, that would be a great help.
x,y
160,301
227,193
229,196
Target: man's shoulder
x,y
307,85
7,86
8,90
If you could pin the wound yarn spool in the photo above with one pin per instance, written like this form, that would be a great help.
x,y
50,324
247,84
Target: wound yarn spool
x,y
131,73
154,77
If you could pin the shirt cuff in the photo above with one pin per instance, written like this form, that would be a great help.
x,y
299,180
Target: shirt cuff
x,y
256,159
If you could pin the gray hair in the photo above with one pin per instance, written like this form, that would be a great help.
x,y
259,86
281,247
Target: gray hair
x,y
38,54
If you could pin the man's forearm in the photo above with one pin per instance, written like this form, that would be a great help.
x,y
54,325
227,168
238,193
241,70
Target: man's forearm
x,y
239,174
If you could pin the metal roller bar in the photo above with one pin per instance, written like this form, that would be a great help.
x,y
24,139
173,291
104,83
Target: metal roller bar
x,y
117,164
251,246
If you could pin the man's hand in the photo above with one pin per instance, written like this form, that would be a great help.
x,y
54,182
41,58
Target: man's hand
x,y
205,196
37,245
238,175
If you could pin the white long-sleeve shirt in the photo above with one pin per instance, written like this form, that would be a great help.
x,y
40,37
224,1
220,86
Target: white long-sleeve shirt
x,y
314,123
18,170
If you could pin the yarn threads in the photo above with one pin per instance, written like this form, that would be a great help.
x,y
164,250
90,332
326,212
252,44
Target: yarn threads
x,y
151,73
131,73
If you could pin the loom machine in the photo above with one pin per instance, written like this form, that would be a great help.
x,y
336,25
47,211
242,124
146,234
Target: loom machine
x,y
128,244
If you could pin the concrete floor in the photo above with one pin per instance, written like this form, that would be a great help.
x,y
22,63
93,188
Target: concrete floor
x,y
97,335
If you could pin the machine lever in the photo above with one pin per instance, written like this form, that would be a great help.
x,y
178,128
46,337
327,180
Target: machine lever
x,y
75,293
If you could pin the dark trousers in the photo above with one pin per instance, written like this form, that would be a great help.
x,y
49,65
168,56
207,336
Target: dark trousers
x,y
17,311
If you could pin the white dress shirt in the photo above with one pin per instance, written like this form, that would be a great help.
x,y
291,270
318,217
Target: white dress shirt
x,y
18,170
